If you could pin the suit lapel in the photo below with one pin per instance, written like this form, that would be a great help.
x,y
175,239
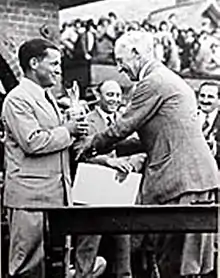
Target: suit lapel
x,y
48,109
55,107
99,121
216,122
38,96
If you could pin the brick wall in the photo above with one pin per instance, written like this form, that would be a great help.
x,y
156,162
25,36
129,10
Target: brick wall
x,y
21,19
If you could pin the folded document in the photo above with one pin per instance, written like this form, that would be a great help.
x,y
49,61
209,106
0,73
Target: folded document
x,y
99,185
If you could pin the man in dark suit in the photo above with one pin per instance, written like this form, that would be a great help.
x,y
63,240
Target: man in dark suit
x,y
105,114
163,111
209,116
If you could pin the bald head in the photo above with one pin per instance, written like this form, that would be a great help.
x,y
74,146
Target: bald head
x,y
109,85
132,51
110,96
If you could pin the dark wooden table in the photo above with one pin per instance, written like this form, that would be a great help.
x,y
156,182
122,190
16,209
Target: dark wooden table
x,y
133,219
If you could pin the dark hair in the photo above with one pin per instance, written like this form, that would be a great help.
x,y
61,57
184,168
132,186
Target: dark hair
x,y
90,23
102,20
112,14
171,15
163,22
99,87
210,83
33,48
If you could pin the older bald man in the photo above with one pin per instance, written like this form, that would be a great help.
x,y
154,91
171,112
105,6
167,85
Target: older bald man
x,y
181,169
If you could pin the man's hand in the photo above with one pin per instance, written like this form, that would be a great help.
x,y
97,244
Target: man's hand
x,y
120,163
77,127
84,148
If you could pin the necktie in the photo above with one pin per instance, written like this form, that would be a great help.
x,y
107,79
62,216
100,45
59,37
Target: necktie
x,y
109,121
47,96
50,100
206,124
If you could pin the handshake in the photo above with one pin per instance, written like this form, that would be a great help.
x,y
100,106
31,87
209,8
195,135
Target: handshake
x,y
76,123
78,127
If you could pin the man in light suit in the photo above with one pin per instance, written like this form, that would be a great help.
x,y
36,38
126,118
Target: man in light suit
x,y
36,155
163,111
105,114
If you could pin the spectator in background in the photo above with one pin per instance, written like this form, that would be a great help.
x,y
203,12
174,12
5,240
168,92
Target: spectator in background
x,y
209,116
163,27
68,39
119,28
202,61
145,25
113,19
208,25
89,38
159,49
104,43
102,26
171,52
172,21
215,48
104,115
178,38
188,42
133,26
78,66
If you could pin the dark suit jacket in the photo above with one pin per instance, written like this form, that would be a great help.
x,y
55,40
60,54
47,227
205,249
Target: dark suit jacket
x,y
97,124
216,129
164,113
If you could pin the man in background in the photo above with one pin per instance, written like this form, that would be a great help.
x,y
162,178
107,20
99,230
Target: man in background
x,y
106,114
208,112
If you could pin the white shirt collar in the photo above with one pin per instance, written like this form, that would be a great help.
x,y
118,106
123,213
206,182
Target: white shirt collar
x,y
211,116
142,71
105,115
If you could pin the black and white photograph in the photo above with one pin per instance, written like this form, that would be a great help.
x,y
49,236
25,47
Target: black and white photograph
x,y
109,138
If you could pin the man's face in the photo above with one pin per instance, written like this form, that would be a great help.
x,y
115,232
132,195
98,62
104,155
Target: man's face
x,y
208,98
127,62
49,68
110,97
206,25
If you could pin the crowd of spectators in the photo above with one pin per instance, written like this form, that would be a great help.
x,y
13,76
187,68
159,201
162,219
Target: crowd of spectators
x,y
181,49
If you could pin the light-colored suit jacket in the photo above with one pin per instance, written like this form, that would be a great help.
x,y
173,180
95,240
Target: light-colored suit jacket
x,y
164,113
98,124
36,149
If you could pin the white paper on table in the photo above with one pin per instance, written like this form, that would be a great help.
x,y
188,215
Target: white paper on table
x,y
97,185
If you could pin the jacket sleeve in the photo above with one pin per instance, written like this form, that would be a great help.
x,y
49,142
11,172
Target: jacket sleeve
x,y
22,124
145,103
